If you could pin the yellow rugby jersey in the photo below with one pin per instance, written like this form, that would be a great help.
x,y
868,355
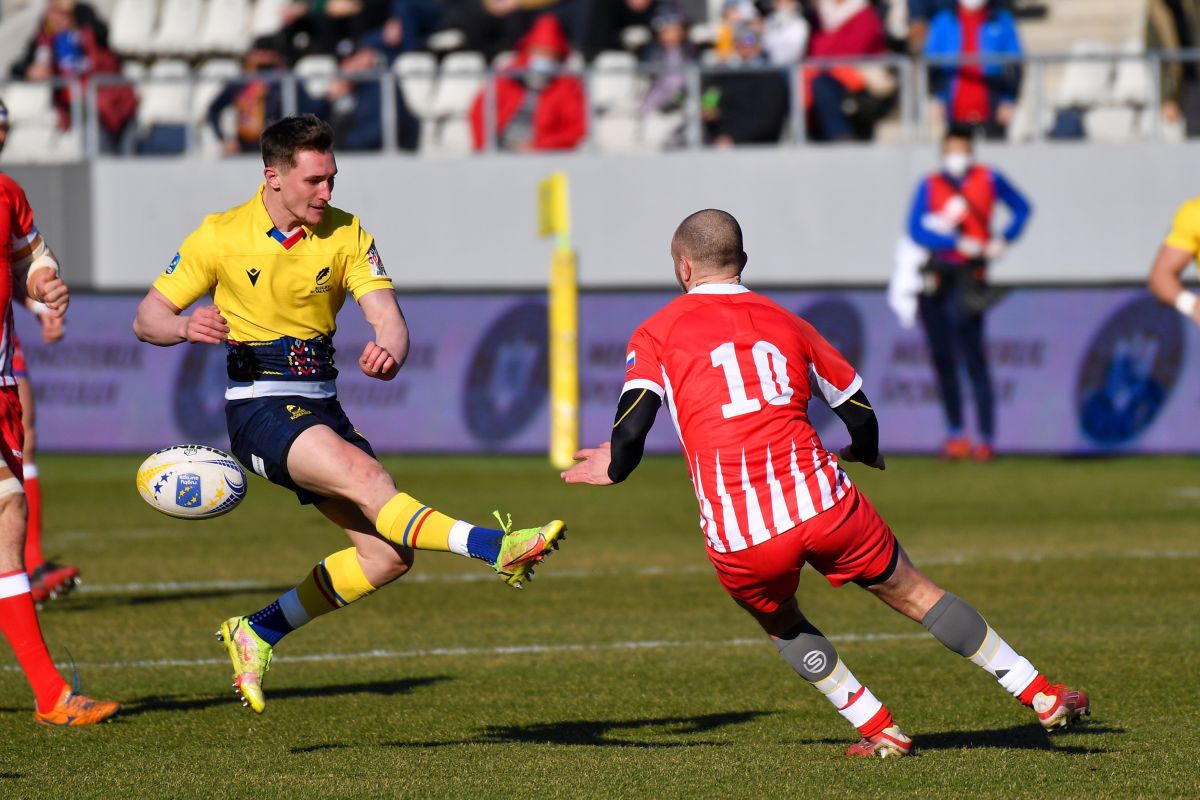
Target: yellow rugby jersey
x,y
1185,228
279,294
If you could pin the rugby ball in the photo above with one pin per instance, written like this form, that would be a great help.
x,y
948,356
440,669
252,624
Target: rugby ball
x,y
191,481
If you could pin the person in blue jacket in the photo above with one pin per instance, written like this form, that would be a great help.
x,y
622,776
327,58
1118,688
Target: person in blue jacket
x,y
952,217
981,95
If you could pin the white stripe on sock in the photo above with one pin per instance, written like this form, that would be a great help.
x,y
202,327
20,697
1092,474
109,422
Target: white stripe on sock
x,y
293,610
458,537
14,585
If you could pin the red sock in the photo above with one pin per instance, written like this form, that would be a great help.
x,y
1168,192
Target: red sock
x,y
1039,684
19,621
33,525
876,724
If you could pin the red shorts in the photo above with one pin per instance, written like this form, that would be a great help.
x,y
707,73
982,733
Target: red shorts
x,y
849,542
18,360
12,432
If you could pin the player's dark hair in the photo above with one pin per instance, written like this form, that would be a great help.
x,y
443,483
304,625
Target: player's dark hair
x,y
282,140
711,238
958,130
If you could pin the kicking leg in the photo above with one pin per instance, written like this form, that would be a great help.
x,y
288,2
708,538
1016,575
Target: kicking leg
x,y
958,626
335,582
321,461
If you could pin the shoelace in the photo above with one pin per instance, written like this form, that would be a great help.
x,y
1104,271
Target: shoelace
x,y
504,526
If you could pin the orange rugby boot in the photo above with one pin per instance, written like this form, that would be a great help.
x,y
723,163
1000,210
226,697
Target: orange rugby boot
x,y
956,448
76,709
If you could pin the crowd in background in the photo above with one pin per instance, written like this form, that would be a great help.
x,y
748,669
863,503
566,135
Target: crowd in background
x,y
747,91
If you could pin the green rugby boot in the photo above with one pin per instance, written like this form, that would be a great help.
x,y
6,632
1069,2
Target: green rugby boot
x,y
251,658
522,550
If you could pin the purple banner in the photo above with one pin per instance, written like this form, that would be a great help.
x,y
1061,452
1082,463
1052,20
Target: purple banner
x,y
1075,370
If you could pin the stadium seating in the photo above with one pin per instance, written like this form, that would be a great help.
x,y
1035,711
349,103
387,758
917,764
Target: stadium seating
x,y
34,134
460,79
210,80
267,17
164,112
131,29
316,73
226,27
178,27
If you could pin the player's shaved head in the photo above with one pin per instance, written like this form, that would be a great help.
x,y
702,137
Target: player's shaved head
x,y
282,140
712,241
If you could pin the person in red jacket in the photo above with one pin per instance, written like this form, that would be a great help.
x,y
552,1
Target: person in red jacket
x,y
535,107
846,28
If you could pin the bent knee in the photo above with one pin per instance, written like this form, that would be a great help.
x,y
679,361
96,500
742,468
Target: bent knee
x,y
383,565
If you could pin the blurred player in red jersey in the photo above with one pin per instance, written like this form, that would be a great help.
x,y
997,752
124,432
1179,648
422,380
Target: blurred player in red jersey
x,y
27,268
48,579
737,372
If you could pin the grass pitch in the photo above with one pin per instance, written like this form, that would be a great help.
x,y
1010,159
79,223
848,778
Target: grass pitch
x,y
623,670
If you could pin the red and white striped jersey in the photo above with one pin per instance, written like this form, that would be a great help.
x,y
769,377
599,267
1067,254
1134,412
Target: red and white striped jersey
x,y
736,371
17,237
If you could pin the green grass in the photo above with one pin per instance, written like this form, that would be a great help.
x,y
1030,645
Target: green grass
x,y
1089,568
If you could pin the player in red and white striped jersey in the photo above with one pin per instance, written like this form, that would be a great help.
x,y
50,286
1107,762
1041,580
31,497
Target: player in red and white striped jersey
x,y
736,372
27,268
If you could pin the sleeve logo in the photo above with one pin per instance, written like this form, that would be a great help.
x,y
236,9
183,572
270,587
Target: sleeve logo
x,y
376,262
631,360
174,263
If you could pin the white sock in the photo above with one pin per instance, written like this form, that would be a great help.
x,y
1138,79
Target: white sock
x,y
458,537
1006,665
852,700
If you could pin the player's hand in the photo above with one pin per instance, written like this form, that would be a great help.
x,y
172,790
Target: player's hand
x,y
206,325
995,248
376,362
53,328
51,290
592,467
847,454
969,247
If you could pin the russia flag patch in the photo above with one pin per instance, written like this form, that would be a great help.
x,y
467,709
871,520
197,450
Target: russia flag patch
x,y
630,360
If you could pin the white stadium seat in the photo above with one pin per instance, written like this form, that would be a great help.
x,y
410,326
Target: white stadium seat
x,y
166,95
617,134
226,27
179,27
267,17
1085,83
316,72
211,78
1132,86
30,104
1110,124
459,82
132,27
417,74
454,137
133,70
615,84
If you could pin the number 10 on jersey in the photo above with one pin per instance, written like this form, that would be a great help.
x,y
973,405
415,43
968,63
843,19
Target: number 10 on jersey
x,y
771,366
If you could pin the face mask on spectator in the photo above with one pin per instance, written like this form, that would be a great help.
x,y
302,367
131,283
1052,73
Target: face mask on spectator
x,y
956,164
972,5
541,70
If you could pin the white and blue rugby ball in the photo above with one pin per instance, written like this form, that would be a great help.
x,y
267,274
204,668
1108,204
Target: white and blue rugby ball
x,y
191,481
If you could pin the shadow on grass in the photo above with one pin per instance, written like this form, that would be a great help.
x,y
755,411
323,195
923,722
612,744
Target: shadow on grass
x,y
148,705
1017,737
88,602
600,733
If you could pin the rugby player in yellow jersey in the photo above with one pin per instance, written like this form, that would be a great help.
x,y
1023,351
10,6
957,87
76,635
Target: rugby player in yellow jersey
x,y
1179,249
278,268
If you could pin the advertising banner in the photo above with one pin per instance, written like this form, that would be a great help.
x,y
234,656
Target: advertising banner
x,y
1076,371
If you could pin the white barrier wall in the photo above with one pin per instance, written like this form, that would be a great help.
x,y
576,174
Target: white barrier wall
x,y
816,215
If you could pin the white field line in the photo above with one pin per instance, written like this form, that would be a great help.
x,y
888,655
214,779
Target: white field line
x,y
948,559
457,652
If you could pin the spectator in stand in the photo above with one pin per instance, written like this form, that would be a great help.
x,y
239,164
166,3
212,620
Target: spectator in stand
x,y
536,107
354,105
408,27
668,57
736,15
1175,25
981,96
318,26
951,217
257,99
748,104
920,14
845,29
71,44
785,33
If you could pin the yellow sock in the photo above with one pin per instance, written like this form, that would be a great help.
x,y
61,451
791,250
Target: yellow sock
x,y
335,582
408,522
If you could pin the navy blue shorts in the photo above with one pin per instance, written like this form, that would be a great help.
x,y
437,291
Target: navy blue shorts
x,y
261,432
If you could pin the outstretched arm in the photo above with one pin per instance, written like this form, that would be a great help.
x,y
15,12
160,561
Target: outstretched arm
x,y
383,357
158,321
858,416
612,462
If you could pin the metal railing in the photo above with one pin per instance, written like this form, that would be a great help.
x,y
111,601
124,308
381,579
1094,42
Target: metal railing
x,y
911,120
